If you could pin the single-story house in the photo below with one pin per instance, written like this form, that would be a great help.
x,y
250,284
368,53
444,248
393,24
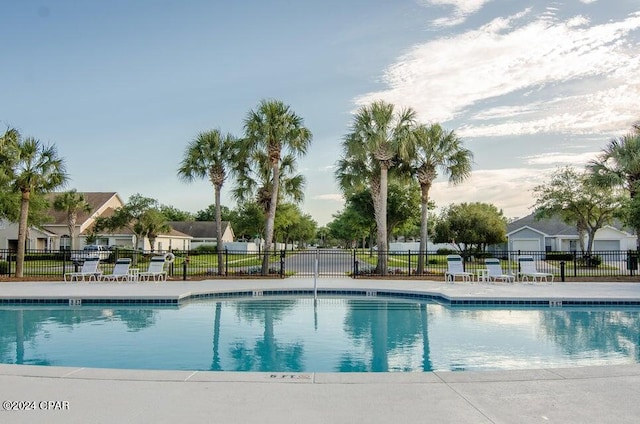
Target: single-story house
x,y
552,234
203,232
37,238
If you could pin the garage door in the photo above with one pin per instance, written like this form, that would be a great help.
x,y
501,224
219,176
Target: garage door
x,y
527,245
606,245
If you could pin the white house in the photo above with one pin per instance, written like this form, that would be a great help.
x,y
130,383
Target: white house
x,y
37,238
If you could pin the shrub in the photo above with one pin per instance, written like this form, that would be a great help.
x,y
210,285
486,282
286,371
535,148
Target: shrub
x,y
4,268
206,249
591,261
558,256
445,251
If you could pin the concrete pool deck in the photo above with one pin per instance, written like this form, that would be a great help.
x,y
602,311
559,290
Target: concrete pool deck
x,y
607,394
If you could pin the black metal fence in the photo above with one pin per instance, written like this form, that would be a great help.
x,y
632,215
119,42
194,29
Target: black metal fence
x,y
324,263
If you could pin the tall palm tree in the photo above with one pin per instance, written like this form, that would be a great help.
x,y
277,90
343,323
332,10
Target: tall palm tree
x,y
210,155
619,165
378,137
36,169
274,137
433,149
72,203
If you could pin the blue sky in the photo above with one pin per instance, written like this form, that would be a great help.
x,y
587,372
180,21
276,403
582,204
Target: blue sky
x,y
122,86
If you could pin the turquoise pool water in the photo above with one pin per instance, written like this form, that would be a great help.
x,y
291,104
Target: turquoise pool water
x,y
294,335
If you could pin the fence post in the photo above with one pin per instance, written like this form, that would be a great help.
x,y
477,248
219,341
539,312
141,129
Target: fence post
x,y
562,264
409,253
355,264
282,253
632,261
185,262
575,263
226,261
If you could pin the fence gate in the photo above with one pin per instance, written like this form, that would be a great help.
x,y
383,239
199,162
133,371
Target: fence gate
x,y
331,262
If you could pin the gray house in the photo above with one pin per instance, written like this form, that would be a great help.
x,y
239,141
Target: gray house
x,y
552,234
203,232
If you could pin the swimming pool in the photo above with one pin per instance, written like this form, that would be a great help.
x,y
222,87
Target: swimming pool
x,y
333,335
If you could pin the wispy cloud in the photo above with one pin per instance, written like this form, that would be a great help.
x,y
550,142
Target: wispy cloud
x,y
461,9
509,189
560,158
333,197
535,74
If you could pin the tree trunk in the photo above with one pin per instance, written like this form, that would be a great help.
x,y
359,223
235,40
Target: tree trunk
x,y
72,230
590,234
424,200
581,233
220,246
380,210
22,233
271,219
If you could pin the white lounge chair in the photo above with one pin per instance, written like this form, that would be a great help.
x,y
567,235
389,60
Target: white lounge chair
x,y
456,269
89,271
155,271
528,269
494,271
120,271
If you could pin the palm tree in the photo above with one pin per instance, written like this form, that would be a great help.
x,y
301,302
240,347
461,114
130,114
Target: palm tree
x,y
619,165
152,223
433,149
71,202
210,155
378,137
274,137
36,169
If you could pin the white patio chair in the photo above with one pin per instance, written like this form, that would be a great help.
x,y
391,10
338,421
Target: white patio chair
x,y
120,271
155,271
494,271
89,271
456,269
528,269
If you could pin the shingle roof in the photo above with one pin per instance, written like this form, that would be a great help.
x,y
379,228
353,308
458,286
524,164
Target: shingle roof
x,y
550,226
198,229
95,200
553,226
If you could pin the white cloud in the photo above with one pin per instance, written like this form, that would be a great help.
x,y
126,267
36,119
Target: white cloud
x,y
507,189
559,158
334,197
462,9
574,77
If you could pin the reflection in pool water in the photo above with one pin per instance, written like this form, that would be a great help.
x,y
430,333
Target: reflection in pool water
x,y
294,335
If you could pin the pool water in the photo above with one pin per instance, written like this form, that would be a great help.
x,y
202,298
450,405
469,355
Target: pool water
x,y
334,335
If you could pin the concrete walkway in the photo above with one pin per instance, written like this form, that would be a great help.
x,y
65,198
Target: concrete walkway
x,y
608,394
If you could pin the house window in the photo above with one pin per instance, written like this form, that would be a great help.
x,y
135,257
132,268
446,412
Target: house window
x,y
65,242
